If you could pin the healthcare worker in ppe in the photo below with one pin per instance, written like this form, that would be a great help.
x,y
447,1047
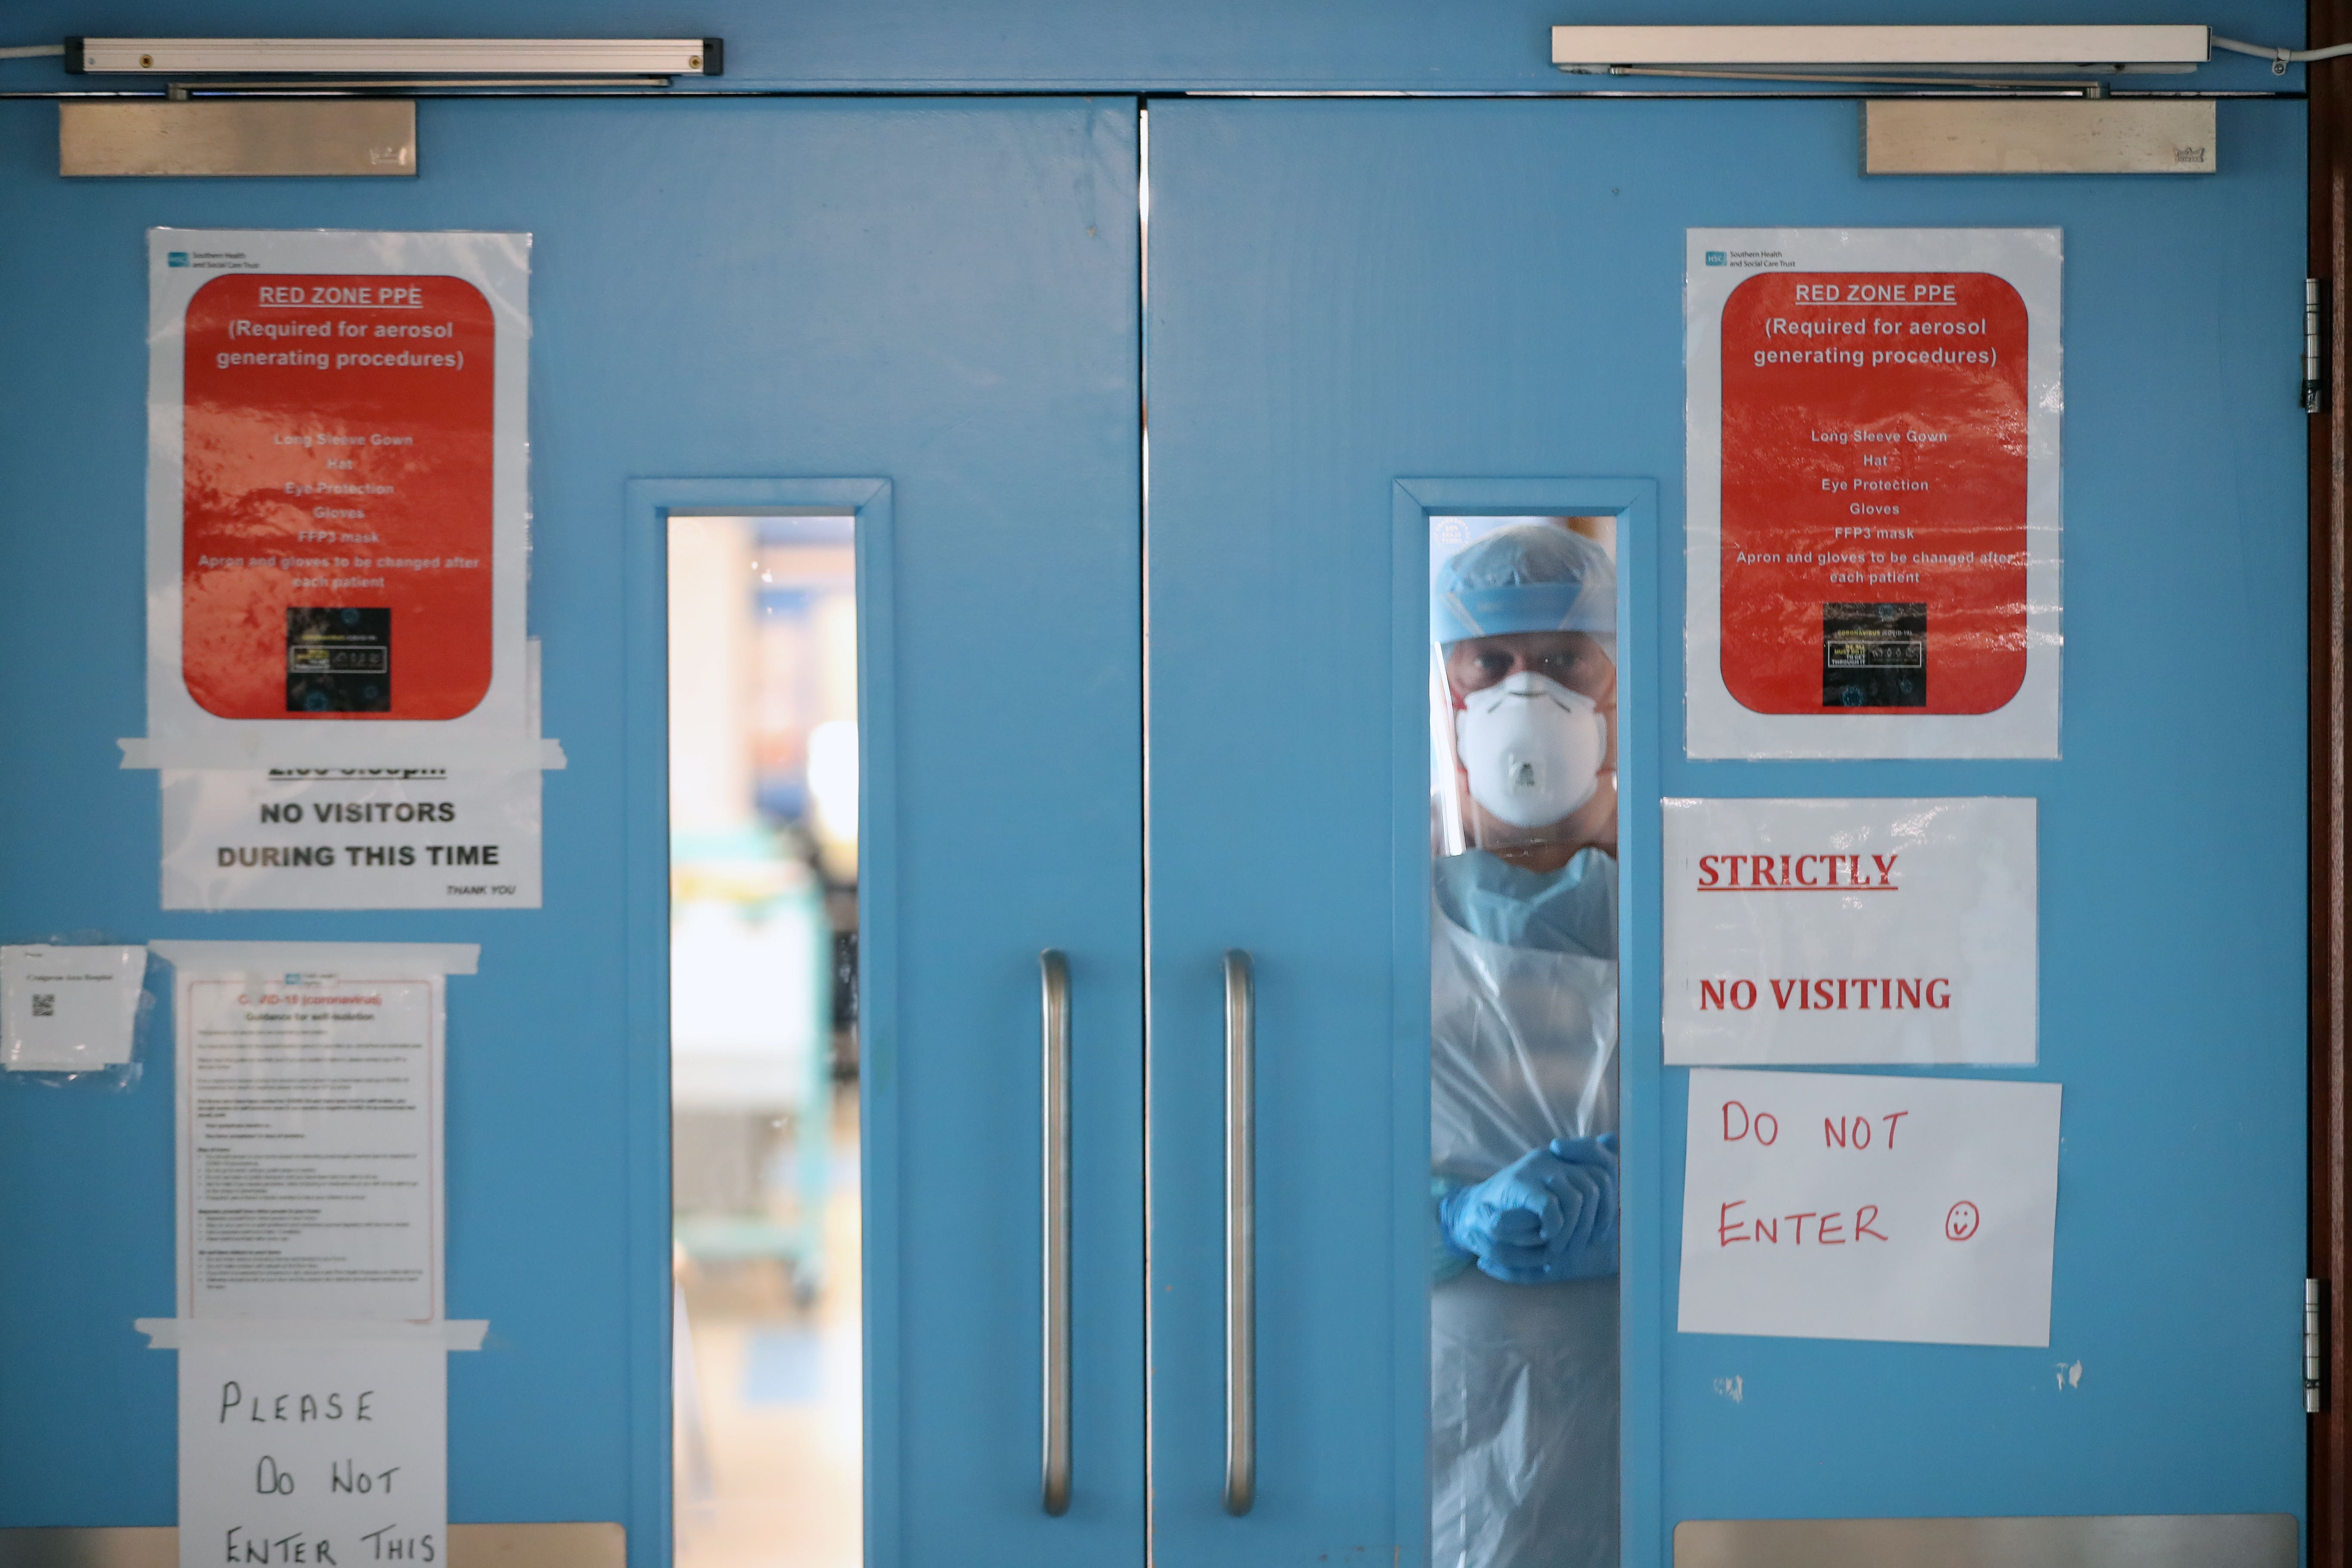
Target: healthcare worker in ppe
x,y
1523,1116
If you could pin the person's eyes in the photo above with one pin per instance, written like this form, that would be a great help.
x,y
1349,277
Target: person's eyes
x,y
1494,666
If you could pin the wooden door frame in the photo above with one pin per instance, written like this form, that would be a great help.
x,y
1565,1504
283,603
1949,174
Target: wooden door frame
x,y
2330,108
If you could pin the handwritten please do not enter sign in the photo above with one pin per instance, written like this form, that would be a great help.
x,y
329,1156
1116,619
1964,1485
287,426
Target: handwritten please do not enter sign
x,y
1823,1206
313,1453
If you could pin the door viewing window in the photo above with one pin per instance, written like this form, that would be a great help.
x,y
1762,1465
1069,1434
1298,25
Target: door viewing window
x,y
1523,1042
763,1040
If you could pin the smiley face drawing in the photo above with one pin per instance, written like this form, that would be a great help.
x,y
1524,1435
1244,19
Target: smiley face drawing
x,y
1960,1223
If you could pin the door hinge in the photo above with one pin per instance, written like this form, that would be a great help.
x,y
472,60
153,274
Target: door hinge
x,y
2314,1294
2313,380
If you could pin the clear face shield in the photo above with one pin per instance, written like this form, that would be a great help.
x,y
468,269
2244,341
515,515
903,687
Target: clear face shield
x,y
1524,727
1523,684
1523,1071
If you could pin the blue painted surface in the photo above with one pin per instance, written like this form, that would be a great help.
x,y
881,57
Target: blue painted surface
x,y
1076,46
941,295
1344,295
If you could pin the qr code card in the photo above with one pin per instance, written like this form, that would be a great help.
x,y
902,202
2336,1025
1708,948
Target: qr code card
x,y
68,1009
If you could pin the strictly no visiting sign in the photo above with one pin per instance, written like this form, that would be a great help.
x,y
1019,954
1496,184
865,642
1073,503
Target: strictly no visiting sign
x,y
1850,931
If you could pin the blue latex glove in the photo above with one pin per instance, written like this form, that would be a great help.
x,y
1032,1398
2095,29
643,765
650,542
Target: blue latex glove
x,y
1548,1216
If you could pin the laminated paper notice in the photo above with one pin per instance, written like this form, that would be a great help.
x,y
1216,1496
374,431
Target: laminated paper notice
x,y
1822,1206
1873,481
350,839
1850,931
337,504
414,838
308,1128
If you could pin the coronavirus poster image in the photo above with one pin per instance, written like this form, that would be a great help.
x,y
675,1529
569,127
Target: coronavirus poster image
x,y
337,498
1873,492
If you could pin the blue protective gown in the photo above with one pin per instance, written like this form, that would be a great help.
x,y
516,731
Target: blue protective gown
x,y
1523,1048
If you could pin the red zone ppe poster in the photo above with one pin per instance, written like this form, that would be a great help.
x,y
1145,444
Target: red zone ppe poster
x,y
1873,489
338,502
337,496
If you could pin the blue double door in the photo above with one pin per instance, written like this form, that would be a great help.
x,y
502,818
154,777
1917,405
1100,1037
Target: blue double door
x,y
1364,315
1148,734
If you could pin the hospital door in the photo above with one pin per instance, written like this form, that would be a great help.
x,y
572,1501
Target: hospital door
x,y
1366,315
1361,315
922,313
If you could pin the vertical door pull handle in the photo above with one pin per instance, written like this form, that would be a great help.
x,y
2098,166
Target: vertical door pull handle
x,y
1240,1234
1054,970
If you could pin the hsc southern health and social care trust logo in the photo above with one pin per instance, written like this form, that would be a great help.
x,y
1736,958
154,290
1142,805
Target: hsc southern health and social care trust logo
x,y
1714,259
176,258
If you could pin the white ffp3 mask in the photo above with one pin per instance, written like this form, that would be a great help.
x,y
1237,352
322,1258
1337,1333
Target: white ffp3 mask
x,y
1531,747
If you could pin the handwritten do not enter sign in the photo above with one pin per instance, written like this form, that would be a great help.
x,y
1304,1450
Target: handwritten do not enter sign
x,y
1829,1206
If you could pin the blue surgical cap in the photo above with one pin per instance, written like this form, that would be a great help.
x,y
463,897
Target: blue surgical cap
x,y
1526,577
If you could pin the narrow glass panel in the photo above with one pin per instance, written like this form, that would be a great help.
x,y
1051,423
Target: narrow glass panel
x,y
763,1040
1523,1044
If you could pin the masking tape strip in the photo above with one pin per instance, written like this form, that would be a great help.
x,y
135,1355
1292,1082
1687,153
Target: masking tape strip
x,y
180,1334
539,751
373,960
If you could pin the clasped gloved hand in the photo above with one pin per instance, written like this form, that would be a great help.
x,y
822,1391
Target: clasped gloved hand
x,y
1548,1216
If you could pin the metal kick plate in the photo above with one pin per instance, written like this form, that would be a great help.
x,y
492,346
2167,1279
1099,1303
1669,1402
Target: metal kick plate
x,y
242,136
2094,1540
2037,136
470,1546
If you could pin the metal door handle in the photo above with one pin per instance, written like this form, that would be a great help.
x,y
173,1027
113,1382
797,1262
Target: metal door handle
x,y
1240,1234
1054,970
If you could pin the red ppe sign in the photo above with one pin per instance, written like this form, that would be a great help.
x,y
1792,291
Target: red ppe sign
x,y
337,496
1874,490
338,502
1873,547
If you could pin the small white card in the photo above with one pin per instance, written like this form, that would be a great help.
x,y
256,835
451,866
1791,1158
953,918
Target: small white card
x,y
313,1451
68,1009
1820,1205
1850,931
